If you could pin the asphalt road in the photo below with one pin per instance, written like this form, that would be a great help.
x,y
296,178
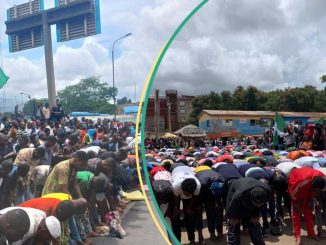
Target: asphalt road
x,y
139,226
285,239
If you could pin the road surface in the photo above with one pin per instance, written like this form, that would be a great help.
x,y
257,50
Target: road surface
x,y
285,239
139,226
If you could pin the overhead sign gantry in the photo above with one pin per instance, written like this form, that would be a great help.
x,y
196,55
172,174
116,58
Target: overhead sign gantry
x,y
29,26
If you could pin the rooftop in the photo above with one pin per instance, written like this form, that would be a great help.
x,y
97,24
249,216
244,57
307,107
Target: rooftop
x,y
262,113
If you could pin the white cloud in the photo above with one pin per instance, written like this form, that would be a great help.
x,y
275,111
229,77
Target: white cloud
x,y
269,44
151,23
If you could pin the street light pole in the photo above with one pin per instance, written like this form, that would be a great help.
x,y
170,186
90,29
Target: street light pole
x,y
113,83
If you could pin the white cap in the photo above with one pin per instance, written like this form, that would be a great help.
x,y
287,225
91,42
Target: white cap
x,y
54,227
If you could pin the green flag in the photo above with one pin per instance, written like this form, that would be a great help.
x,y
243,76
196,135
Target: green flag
x,y
320,121
3,78
279,127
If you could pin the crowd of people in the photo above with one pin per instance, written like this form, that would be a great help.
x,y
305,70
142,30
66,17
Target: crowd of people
x,y
62,179
246,185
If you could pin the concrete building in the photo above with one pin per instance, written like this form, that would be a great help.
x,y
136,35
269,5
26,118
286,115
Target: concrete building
x,y
184,109
173,112
219,123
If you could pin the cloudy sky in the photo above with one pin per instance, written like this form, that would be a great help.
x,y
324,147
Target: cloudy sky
x,y
269,44
150,22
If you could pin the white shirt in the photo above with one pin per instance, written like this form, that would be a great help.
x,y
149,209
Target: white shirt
x,y
179,174
95,149
46,112
35,218
163,175
323,170
309,162
287,167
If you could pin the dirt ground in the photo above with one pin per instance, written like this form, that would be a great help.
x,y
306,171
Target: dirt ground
x,y
286,238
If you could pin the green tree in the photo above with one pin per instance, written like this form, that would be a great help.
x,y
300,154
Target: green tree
x,y
90,95
239,98
198,104
123,100
323,78
227,100
250,99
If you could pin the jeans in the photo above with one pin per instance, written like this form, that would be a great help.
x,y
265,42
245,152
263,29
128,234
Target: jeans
x,y
22,196
74,233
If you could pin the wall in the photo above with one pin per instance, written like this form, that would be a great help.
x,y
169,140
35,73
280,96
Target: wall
x,y
241,126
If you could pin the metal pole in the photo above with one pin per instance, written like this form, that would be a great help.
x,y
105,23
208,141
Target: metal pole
x,y
169,115
32,106
158,113
113,82
49,61
22,94
155,115
135,93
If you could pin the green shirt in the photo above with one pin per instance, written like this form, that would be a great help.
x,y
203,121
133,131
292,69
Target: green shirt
x,y
84,179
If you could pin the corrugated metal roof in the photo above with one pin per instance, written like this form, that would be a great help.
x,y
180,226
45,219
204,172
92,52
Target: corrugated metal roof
x,y
262,113
130,109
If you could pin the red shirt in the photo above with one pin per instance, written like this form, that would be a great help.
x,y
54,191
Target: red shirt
x,y
300,181
157,169
48,205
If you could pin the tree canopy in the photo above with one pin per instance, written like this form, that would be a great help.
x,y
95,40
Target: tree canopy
x,y
305,99
123,100
90,94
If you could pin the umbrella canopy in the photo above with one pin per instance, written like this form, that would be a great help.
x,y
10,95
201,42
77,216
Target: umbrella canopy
x,y
191,131
169,136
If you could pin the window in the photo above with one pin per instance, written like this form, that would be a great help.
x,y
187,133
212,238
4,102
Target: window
x,y
228,122
182,111
298,122
253,122
208,123
266,122
182,103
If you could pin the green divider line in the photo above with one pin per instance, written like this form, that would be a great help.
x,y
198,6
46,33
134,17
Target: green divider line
x,y
166,47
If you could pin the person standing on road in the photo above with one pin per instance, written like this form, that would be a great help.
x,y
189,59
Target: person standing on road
x,y
186,187
245,200
304,184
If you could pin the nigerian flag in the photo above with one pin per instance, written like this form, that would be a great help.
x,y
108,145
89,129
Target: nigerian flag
x,y
279,127
320,120
3,78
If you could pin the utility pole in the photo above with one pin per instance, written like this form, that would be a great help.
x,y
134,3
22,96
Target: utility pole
x,y
157,113
169,114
